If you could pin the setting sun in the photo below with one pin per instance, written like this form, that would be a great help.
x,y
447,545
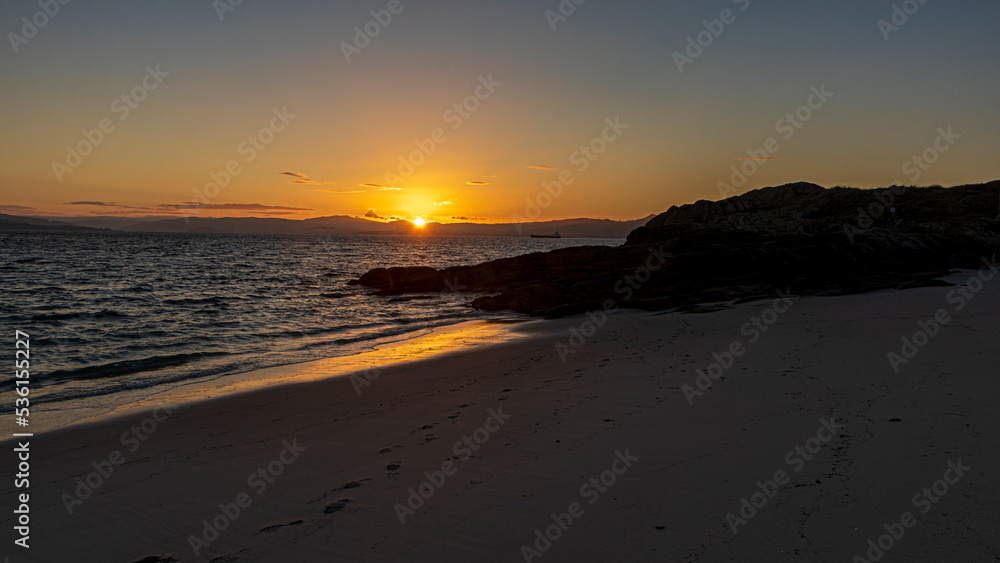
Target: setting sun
x,y
419,221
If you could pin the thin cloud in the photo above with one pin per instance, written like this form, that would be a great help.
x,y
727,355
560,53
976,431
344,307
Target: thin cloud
x,y
110,208
342,191
132,211
545,168
466,218
231,206
101,203
478,183
445,202
301,178
112,205
380,187
16,208
755,158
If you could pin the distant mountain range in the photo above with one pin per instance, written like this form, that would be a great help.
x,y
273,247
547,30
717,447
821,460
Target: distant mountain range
x,y
18,223
338,224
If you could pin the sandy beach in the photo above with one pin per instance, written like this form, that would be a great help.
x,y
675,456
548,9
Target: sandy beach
x,y
806,445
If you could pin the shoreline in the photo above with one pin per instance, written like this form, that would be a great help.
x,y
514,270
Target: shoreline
x,y
499,438
421,344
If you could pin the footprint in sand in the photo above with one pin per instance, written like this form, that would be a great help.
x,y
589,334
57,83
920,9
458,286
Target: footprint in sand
x,y
336,506
275,527
350,485
162,558
393,465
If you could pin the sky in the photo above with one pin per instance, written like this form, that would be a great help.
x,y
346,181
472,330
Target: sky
x,y
484,111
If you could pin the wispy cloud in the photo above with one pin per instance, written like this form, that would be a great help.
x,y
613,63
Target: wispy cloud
x,y
342,191
371,214
445,202
111,208
301,178
545,168
231,206
101,203
466,218
380,187
15,209
478,183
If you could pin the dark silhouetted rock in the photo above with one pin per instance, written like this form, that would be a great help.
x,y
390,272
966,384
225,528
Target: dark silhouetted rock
x,y
412,279
801,236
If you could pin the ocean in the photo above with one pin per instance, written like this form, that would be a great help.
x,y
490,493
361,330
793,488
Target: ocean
x,y
114,317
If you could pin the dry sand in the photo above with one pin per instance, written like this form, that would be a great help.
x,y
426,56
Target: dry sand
x,y
564,424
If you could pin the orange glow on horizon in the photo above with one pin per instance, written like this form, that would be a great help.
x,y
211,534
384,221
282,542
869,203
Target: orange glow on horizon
x,y
419,222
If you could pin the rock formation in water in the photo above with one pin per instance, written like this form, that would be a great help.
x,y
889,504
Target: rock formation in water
x,y
802,237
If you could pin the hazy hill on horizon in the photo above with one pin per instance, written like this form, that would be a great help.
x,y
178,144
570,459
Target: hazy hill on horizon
x,y
19,223
336,224
341,224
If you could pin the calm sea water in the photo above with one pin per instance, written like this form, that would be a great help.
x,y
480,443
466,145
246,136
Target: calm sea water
x,y
114,312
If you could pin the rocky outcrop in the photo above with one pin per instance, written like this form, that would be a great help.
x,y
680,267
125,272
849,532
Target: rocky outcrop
x,y
800,236
804,208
